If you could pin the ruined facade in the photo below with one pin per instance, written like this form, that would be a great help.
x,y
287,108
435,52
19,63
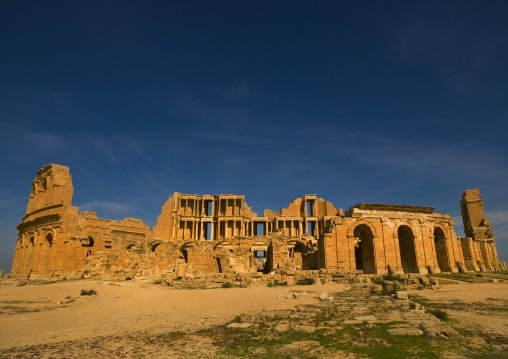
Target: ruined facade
x,y
220,234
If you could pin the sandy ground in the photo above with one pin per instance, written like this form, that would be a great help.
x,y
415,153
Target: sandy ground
x,y
477,305
50,313
128,307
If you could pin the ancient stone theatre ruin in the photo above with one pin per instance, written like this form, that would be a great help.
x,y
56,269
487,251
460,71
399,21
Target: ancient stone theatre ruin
x,y
196,235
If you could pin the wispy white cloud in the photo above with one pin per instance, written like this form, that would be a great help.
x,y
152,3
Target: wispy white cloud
x,y
108,206
420,157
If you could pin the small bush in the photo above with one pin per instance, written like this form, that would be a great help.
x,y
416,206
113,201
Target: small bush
x,y
420,287
227,285
88,292
479,275
336,276
306,281
277,284
377,280
412,305
440,314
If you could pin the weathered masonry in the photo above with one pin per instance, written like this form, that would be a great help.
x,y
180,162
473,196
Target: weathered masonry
x,y
220,234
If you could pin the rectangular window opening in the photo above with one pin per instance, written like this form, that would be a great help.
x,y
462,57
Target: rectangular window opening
x,y
260,229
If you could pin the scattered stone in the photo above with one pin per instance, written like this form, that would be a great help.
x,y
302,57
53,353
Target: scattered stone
x,y
282,327
323,296
239,325
401,295
405,331
376,288
439,330
305,328
424,281
249,317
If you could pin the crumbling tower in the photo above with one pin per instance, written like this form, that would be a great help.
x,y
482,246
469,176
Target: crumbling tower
x,y
479,245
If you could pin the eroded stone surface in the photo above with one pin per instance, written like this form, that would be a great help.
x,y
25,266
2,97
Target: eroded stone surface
x,y
218,239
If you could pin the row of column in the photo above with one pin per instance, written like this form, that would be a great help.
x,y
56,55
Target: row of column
x,y
237,209
197,229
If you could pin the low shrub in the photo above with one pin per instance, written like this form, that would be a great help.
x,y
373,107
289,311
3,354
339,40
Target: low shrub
x,y
306,281
439,313
227,285
88,292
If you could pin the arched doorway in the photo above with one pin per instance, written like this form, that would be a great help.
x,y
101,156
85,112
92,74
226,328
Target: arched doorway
x,y
407,249
259,251
45,262
364,249
223,251
441,252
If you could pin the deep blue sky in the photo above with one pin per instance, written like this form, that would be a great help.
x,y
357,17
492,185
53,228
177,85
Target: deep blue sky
x,y
362,101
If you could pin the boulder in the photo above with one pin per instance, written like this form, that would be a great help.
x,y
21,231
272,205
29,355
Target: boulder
x,y
322,297
401,295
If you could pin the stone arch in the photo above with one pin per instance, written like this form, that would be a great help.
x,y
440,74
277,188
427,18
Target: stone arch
x,y
440,244
300,254
44,184
405,233
221,252
158,248
185,248
352,226
31,239
45,250
365,258
222,244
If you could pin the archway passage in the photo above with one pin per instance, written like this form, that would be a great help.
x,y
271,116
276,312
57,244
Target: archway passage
x,y
441,252
364,249
407,249
222,253
260,253
45,253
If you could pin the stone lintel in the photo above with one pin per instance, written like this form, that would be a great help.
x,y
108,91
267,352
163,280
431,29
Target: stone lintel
x,y
393,207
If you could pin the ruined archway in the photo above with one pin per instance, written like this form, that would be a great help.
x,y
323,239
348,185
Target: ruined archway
x,y
297,252
158,248
259,251
441,250
222,252
364,249
45,252
407,249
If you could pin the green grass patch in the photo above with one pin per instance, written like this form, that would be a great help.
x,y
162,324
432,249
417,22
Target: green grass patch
x,y
439,313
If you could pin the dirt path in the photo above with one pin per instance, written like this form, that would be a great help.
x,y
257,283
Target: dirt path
x,y
37,314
